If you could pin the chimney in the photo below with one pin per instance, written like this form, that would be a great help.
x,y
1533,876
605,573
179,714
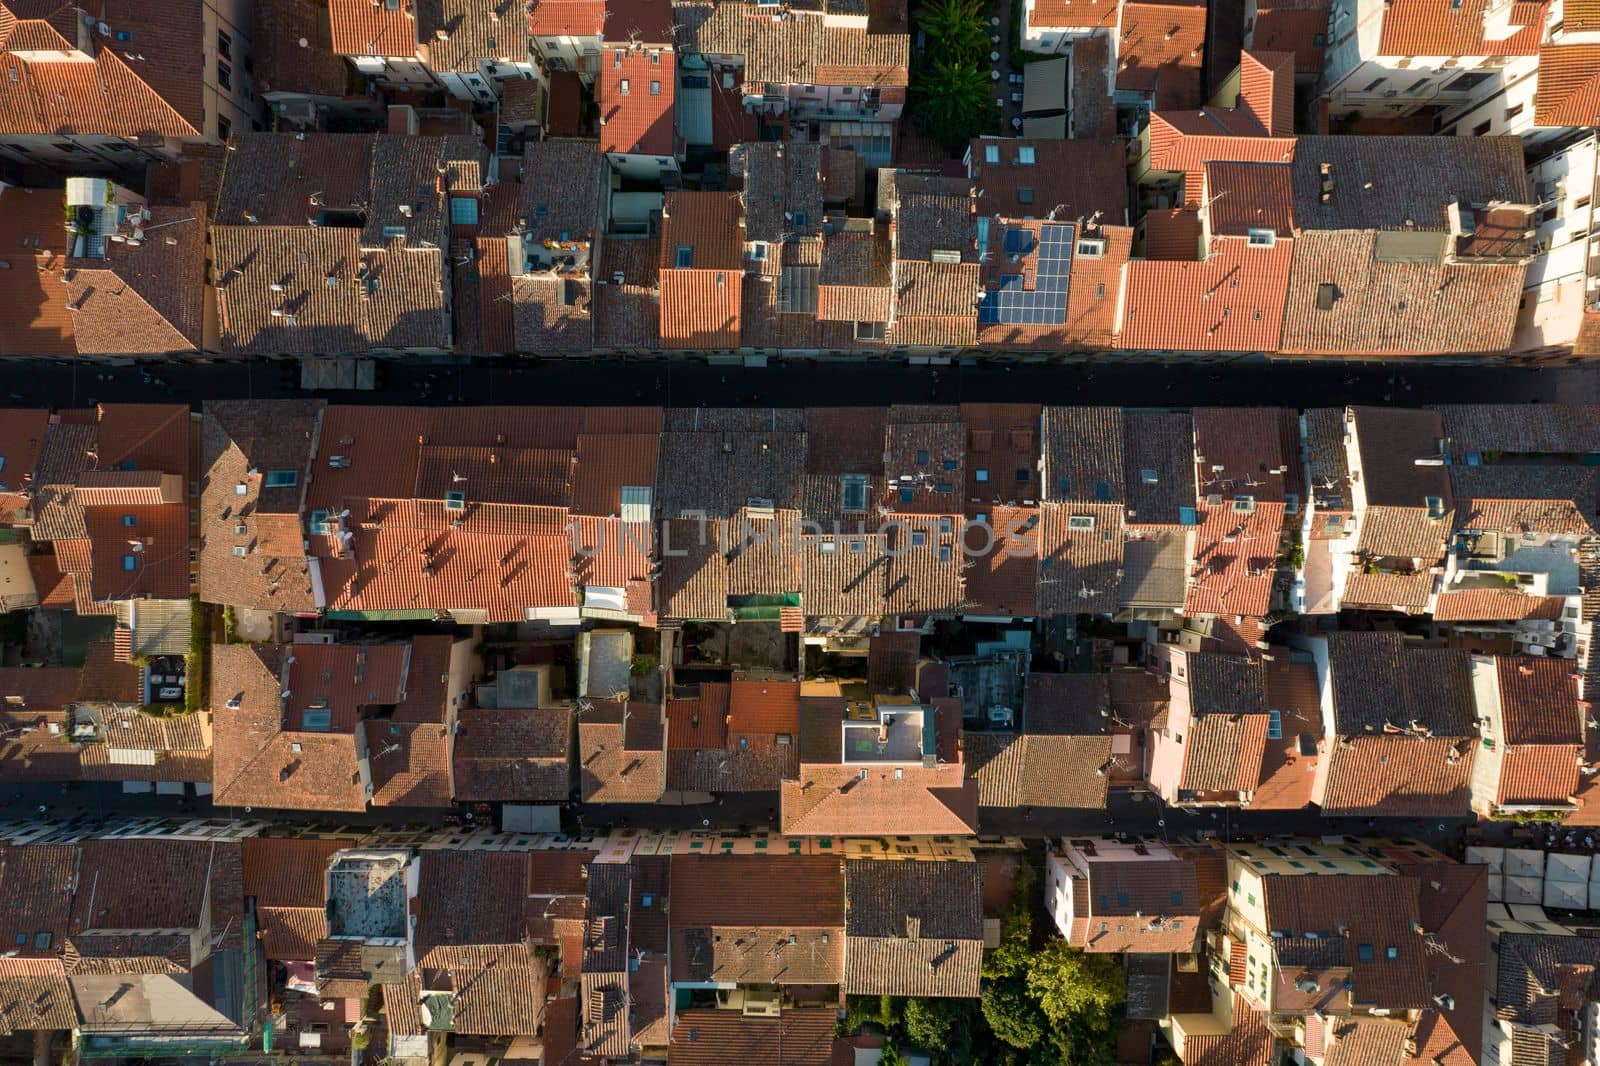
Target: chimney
x,y
1326,170
913,927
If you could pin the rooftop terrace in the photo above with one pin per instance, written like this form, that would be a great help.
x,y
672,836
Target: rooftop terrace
x,y
367,895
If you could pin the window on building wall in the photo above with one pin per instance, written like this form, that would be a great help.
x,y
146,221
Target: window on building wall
x,y
1374,86
224,44
1482,128
1469,80
1513,111
224,75
224,128
1417,85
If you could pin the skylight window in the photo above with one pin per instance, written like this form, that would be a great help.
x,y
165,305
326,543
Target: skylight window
x,y
455,501
1262,238
684,257
855,492
991,153
1274,725
282,479
1025,155
318,524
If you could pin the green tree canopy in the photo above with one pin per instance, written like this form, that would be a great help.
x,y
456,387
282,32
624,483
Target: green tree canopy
x,y
1075,986
956,29
1012,1014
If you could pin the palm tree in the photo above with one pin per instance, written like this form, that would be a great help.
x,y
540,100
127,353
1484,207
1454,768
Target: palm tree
x,y
956,29
956,99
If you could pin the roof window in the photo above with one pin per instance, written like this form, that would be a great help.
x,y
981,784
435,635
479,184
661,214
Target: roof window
x,y
455,501
991,153
683,259
855,491
1025,155
1262,238
282,479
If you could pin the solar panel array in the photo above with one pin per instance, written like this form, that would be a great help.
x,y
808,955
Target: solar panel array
x,y
1046,303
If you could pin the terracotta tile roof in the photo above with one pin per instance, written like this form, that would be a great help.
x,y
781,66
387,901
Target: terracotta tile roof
x,y
55,98
926,574
1413,177
37,880
1297,26
361,29
911,801
628,315
935,304
764,707
1160,48
36,996
1539,773
144,299
700,308
474,32
1248,1043
1569,86
1538,701
800,1036
1223,753
1402,308
552,314
1004,577
407,311
1232,301
694,578
913,928
1518,499
1435,27
1374,674
561,190
1079,568
236,437
1519,428
801,49
497,990
635,93
1071,14
566,18
492,913
1399,776
934,214
1074,179
789,930
1083,454
289,871
1501,605
1364,1041
182,874
512,755
255,758
1259,196
610,768
1388,591
1038,771
1139,907
254,181
290,934
854,284
281,65
33,312
1161,442
782,189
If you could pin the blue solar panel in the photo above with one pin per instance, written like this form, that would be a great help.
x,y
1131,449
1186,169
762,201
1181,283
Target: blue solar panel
x,y
1046,303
